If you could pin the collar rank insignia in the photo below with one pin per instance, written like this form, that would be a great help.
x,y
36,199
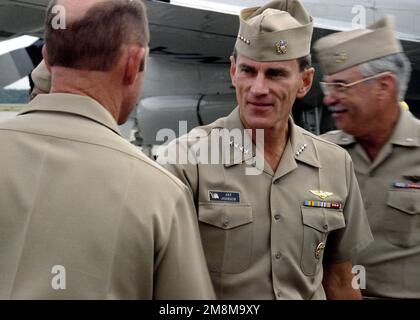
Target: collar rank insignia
x,y
406,185
239,147
321,194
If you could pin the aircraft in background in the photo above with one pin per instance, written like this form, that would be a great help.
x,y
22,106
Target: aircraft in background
x,y
191,41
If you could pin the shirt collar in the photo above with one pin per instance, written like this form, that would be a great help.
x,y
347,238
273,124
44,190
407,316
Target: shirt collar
x,y
83,106
407,130
302,147
240,151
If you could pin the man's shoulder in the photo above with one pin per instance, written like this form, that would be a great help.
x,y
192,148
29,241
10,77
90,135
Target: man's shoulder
x,y
97,140
414,123
199,134
329,154
331,135
149,172
337,137
323,142
156,173
204,132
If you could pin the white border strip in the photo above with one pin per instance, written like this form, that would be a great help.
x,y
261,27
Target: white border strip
x,y
209,6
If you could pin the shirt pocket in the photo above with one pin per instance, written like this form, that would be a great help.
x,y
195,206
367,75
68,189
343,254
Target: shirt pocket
x,y
403,217
227,234
317,223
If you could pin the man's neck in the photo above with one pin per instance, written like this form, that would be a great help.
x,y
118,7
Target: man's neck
x,y
275,140
84,84
374,141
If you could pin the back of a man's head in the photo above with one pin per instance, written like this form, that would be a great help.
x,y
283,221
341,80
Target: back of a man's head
x,y
94,32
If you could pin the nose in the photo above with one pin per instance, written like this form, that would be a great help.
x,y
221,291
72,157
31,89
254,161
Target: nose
x,y
259,86
330,100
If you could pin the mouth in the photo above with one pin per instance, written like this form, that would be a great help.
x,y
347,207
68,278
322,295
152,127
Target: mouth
x,y
258,104
337,110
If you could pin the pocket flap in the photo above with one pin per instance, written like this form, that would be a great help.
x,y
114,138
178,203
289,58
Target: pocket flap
x,y
407,201
322,219
225,216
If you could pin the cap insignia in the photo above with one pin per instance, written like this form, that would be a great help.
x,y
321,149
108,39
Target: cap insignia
x,y
281,47
340,57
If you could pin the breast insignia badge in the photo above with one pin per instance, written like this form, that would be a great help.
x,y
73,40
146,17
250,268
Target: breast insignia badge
x,y
319,250
321,194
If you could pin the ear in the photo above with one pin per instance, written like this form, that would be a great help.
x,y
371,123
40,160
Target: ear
x,y
45,57
133,64
232,70
387,83
306,84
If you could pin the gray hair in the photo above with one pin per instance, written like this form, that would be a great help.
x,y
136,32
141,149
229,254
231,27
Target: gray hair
x,y
397,63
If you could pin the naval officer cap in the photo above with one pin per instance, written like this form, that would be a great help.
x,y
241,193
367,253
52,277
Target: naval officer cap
x,y
343,50
41,77
279,30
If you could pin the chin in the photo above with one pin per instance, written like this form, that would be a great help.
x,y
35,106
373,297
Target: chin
x,y
255,124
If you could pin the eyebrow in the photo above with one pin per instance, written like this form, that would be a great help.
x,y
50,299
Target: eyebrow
x,y
244,65
339,81
283,71
270,70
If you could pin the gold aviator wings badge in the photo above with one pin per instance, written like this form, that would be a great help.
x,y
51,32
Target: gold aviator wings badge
x,y
321,194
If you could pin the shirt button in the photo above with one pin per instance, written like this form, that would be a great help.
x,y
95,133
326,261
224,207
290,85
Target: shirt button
x,y
277,217
279,294
226,222
278,255
325,226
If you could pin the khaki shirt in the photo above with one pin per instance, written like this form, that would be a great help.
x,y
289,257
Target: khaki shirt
x,y
259,239
85,215
392,262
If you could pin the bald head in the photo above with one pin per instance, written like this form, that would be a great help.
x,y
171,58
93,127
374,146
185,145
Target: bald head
x,y
94,33
77,9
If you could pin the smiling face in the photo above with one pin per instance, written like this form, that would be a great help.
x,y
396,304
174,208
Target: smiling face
x,y
266,91
356,109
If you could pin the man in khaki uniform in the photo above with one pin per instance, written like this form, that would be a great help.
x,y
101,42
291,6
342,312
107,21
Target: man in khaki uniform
x,y
83,213
366,74
282,220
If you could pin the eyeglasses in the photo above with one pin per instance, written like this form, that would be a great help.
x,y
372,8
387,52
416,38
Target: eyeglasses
x,y
330,87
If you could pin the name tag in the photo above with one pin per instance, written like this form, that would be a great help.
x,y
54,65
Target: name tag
x,y
224,196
